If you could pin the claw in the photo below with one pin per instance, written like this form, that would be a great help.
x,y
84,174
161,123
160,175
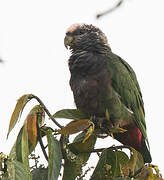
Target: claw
x,y
92,118
115,129
111,134
107,114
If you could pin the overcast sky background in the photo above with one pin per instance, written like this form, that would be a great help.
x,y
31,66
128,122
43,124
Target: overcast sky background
x,y
31,44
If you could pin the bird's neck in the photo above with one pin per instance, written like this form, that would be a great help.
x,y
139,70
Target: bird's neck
x,y
85,63
92,46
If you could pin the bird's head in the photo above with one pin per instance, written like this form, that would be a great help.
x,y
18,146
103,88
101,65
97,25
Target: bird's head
x,y
85,37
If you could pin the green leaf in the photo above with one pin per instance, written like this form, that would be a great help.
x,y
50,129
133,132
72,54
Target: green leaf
x,y
121,161
28,136
75,114
122,158
81,148
106,167
18,110
17,170
75,126
12,154
24,146
121,178
139,162
136,162
3,159
55,157
73,167
158,177
146,173
40,174
4,177
18,147
22,150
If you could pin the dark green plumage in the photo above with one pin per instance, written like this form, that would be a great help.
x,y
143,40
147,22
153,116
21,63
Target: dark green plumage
x,y
126,85
101,80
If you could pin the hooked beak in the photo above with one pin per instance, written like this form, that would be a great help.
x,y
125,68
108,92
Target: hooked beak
x,y
68,40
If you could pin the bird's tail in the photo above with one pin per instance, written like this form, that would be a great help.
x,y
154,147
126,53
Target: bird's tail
x,y
145,152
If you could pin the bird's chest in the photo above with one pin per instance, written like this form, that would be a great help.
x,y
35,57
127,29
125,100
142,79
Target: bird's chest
x,y
90,92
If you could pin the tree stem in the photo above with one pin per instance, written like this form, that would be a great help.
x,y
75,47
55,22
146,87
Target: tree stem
x,y
110,10
47,111
41,142
112,148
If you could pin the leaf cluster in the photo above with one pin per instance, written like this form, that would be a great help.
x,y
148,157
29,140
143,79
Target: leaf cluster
x,y
66,158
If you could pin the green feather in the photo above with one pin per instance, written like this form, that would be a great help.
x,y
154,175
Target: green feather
x,y
125,83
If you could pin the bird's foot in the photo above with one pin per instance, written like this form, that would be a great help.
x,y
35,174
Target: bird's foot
x,y
116,129
105,126
101,124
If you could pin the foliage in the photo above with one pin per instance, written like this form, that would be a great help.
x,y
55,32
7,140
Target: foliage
x,y
65,158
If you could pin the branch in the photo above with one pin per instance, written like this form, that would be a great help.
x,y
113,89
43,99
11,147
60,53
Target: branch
x,y
41,142
112,148
110,10
47,111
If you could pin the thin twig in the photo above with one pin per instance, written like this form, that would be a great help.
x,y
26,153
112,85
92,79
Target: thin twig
x,y
47,111
85,173
41,142
112,148
1,60
110,10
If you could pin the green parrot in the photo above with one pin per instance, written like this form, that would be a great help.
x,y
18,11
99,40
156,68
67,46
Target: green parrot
x,y
102,82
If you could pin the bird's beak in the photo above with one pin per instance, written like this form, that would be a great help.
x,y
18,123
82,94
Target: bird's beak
x,y
68,40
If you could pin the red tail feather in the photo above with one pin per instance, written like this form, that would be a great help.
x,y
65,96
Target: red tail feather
x,y
132,137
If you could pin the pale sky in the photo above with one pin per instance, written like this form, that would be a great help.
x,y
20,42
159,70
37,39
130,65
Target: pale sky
x,y
31,44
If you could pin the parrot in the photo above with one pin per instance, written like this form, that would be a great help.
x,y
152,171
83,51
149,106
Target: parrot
x,y
102,82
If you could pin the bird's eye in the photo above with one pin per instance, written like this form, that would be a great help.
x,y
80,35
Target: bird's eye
x,y
68,33
78,32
